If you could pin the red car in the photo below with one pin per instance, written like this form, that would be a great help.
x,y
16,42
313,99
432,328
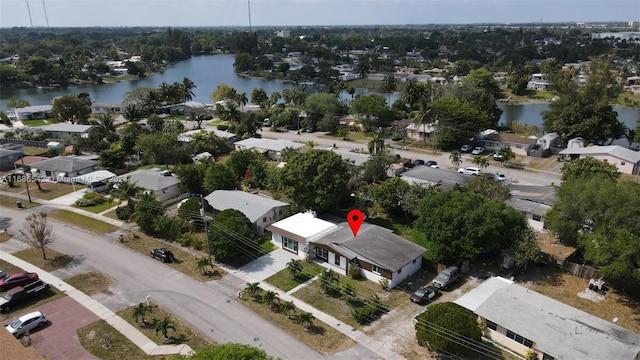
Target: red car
x,y
17,279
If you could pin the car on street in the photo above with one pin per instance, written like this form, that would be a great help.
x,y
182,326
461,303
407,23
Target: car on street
x,y
425,294
466,148
470,170
26,323
478,150
447,277
18,279
418,162
162,254
498,157
500,177
431,164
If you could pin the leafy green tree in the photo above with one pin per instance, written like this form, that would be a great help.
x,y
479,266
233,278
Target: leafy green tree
x,y
413,92
130,136
230,236
518,80
192,177
240,161
219,177
460,225
295,267
223,92
228,351
441,325
258,96
456,120
488,187
328,280
305,319
128,191
374,109
15,102
70,108
202,264
348,293
376,144
320,104
588,167
113,158
243,63
140,311
148,209
375,169
162,149
363,67
389,195
316,179
204,141
483,79
163,326
506,153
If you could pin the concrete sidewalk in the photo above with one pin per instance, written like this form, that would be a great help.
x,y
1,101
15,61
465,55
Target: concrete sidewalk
x,y
126,329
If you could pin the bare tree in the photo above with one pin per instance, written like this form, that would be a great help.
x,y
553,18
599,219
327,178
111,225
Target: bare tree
x,y
37,232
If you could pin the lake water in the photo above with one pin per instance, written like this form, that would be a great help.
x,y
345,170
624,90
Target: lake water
x,y
209,71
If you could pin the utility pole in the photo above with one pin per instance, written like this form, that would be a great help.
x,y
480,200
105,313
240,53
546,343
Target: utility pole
x,y
206,226
26,180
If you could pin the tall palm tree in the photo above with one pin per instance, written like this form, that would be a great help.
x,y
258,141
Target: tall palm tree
x,y
306,319
340,87
376,144
132,112
481,162
165,93
351,91
413,91
421,115
270,298
140,311
274,98
295,267
311,143
389,84
327,280
253,289
105,123
456,158
164,326
126,191
363,67
242,100
187,89
287,307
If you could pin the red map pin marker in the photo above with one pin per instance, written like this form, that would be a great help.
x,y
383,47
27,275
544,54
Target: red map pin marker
x,y
355,219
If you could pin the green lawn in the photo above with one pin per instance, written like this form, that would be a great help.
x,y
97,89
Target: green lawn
x,y
83,222
100,207
8,201
37,122
34,151
95,336
285,282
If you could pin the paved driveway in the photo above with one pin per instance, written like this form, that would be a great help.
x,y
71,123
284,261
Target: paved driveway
x,y
59,340
269,264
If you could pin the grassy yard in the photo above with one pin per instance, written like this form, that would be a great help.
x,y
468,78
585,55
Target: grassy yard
x,y
23,308
91,283
96,209
366,84
285,282
33,255
333,305
321,337
83,222
565,287
35,122
184,333
112,214
401,228
34,151
5,236
8,201
50,190
185,261
94,336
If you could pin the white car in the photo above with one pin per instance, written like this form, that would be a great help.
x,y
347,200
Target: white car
x,y
477,150
466,148
469,171
26,323
501,177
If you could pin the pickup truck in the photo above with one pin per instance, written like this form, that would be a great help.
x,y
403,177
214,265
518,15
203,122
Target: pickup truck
x,y
20,294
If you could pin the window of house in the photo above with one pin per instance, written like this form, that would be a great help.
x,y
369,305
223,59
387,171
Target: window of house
x,y
623,163
547,357
491,325
280,212
605,160
264,219
322,254
537,217
336,259
289,244
375,269
414,260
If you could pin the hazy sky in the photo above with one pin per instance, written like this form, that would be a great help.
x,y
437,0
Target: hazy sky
x,y
83,13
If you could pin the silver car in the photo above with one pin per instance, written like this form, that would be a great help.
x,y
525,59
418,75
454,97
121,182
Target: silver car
x,y
26,323
447,277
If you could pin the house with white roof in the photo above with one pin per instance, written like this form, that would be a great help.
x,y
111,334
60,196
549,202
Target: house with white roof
x,y
420,132
63,168
66,130
33,112
186,136
163,184
260,210
102,108
271,148
626,160
376,251
523,320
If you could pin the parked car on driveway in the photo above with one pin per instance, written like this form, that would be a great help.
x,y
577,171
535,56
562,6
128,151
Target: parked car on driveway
x,y
162,254
20,294
425,294
478,150
470,170
466,148
26,323
447,277
18,279
498,157
431,164
418,162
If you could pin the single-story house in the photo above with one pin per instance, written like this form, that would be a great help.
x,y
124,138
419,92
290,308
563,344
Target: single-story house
x,y
518,144
66,130
626,160
378,252
186,136
421,132
203,157
8,157
395,170
533,211
354,159
102,108
523,320
261,211
98,175
63,168
33,112
434,177
26,161
547,141
161,183
271,148
186,107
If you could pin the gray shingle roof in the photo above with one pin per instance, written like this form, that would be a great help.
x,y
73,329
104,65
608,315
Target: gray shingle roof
x,y
425,174
151,179
252,206
66,164
613,150
373,243
67,127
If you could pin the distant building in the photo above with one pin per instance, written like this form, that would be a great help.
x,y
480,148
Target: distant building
x,y
627,161
66,130
101,108
33,112
283,33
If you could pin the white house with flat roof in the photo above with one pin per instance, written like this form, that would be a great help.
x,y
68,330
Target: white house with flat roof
x,y
33,112
626,160
66,130
271,148
261,211
521,319
295,232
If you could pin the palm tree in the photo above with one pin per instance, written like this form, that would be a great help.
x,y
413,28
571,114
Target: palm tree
x,y
253,289
165,92
187,87
274,97
423,112
376,145
389,84
311,143
287,307
127,191
132,112
413,91
456,158
140,311
105,123
351,91
306,319
506,154
202,264
339,87
481,162
327,279
363,67
164,326
270,298
242,100
295,267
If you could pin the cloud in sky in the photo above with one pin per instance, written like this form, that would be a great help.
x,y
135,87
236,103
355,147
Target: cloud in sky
x,y
83,13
